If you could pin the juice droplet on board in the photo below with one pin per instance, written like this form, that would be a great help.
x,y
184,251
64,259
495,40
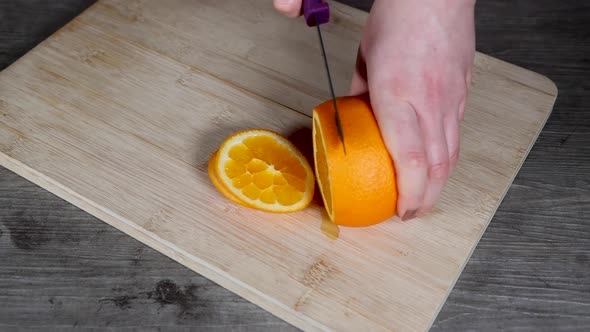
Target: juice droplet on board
x,y
329,228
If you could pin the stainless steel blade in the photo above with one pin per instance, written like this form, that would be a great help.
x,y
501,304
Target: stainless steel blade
x,y
337,115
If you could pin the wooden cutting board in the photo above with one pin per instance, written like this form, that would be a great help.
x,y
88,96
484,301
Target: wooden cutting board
x,y
119,112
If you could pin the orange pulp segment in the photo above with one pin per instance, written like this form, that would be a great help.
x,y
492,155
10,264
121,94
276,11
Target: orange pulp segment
x,y
261,169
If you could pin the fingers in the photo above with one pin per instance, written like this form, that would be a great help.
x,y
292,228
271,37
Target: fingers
x,y
402,135
425,149
464,100
291,8
358,84
451,124
462,109
437,153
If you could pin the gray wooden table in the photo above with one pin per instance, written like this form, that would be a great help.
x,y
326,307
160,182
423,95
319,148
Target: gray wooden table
x,y
61,268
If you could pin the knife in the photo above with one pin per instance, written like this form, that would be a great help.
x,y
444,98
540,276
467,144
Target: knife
x,y
316,13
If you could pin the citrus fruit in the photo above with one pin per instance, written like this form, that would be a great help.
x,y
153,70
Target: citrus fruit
x,y
261,169
215,179
358,187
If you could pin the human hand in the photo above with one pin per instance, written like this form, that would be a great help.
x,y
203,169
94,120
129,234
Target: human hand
x,y
291,8
415,60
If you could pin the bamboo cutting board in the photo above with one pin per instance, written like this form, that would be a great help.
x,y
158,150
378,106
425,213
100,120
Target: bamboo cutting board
x,y
119,112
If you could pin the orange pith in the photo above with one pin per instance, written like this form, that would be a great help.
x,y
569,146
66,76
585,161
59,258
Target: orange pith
x,y
215,179
262,170
359,187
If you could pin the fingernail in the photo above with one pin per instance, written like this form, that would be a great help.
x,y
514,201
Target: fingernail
x,y
410,214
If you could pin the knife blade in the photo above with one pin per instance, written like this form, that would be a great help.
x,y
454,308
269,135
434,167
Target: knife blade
x,y
317,12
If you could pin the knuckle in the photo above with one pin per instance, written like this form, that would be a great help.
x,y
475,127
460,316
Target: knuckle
x,y
404,123
439,91
286,7
468,77
454,156
439,171
415,159
434,87
460,83
426,208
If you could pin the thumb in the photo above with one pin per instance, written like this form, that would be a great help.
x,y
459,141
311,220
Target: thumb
x,y
358,84
291,8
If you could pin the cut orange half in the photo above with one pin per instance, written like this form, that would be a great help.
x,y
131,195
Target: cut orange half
x,y
359,187
261,169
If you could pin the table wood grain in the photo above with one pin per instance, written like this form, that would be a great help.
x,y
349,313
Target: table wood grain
x,y
61,268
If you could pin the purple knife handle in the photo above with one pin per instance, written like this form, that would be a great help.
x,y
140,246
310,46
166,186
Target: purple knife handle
x,y
316,12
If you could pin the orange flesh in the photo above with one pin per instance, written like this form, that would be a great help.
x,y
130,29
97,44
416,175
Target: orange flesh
x,y
265,172
322,171
215,179
359,187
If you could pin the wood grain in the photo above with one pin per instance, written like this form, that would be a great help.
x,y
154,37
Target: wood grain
x,y
531,270
482,276
127,148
